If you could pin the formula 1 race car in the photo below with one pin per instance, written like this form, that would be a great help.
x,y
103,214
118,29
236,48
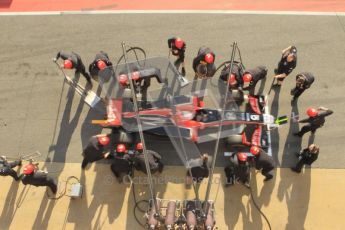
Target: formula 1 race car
x,y
194,112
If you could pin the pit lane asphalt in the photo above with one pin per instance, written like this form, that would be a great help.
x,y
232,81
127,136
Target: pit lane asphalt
x,y
31,86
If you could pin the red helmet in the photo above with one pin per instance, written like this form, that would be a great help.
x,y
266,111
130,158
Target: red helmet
x,y
135,75
28,169
209,58
255,150
123,79
67,64
247,77
242,157
178,43
232,79
103,140
140,146
121,148
312,112
101,65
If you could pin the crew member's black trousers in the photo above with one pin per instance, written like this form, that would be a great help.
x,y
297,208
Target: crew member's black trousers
x,y
81,69
8,171
49,182
230,175
177,64
296,92
308,128
303,161
267,172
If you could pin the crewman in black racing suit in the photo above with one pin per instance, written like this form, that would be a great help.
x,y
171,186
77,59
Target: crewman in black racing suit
x,y
100,62
122,166
235,83
154,160
6,168
73,61
263,162
316,120
306,156
203,63
177,48
95,149
238,170
32,176
286,65
303,81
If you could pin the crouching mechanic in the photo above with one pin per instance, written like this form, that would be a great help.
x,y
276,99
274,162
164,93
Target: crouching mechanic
x,y
263,162
253,76
153,157
6,168
100,62
32,176
177,48
238,170
95,149
73,61
203,63
122,166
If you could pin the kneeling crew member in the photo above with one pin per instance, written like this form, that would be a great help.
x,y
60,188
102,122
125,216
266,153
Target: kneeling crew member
x,y
316,120
32,176
154,160
6,168
253,76
121,166
238,170
306,157
303,82
100,62
73,61
203,63
286,64
263,162
95,150
177,48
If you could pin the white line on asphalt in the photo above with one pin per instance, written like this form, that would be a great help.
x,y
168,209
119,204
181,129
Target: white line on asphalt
x,y
306,13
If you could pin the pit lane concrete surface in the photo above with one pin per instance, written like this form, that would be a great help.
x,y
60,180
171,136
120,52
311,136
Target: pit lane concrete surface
x,y
39,112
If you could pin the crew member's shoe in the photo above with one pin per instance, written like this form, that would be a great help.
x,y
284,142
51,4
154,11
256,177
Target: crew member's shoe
x,y
89,86
54,189
183,72
297,134
268,177
295,170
